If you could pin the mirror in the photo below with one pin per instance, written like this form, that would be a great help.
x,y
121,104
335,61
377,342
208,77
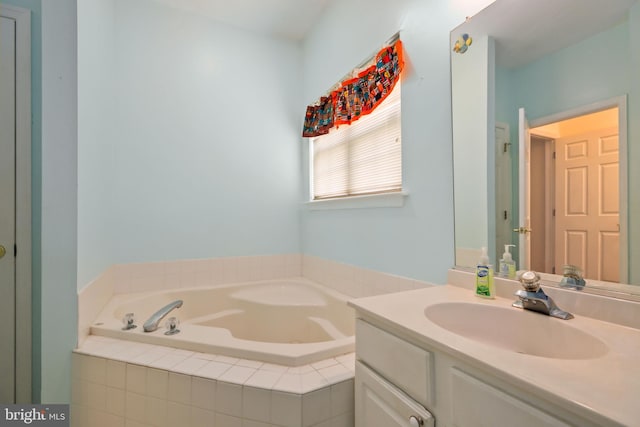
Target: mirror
x,y
556,61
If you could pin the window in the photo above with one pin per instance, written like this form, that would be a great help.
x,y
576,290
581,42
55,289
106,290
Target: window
x,y
362,158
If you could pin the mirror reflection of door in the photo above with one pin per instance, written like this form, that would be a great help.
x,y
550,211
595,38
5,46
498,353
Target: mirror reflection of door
x,y
575,195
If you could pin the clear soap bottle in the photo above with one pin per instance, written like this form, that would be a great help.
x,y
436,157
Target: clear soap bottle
x,y
507,264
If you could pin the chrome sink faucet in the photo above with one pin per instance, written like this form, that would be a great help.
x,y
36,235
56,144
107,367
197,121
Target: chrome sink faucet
x,y
152,323
533,297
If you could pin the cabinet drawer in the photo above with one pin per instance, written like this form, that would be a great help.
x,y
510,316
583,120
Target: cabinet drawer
x,y
409,367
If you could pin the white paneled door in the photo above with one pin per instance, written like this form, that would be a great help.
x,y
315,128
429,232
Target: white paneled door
x,y
7,207
524,189
588,204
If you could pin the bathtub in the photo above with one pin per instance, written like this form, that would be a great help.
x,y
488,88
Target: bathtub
x,y
288,322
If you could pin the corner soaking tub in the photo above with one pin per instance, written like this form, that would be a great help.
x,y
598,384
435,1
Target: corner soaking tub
x,y
289,322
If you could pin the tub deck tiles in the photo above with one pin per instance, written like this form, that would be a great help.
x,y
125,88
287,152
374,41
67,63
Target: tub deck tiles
x,y
295,379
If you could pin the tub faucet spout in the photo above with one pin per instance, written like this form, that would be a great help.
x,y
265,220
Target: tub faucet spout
x,y
152,323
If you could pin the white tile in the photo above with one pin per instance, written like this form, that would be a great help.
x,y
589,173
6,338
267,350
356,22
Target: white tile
x,y
78,392
263,379
304,369
237,374
274,368
168,361
115,401
136,379
190,366
202,417
110,420
336,373
150,356
227,421
76,365
249,363
131,350
226,359
213,370
347,360
251,423
135,405
256,404
116,374
203,393
181,352
289,383
217,268
178,414
229,399
273,267
229,270
324,363
94,369
96,395
204,356
156,412
344,420
179,388
157,383
313,381
316,407
342,398
79,415
286,409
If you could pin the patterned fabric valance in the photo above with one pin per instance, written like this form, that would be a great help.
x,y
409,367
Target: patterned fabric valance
x,y
357,96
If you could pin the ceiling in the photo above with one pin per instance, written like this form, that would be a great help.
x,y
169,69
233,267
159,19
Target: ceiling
x,y
290,19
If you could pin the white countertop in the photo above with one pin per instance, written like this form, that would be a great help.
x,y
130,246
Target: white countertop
x,y
604,389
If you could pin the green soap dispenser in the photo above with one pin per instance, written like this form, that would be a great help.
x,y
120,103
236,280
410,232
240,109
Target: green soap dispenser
x,y
507,264
484,277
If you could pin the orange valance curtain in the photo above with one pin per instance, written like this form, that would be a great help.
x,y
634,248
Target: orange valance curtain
x,y
357,96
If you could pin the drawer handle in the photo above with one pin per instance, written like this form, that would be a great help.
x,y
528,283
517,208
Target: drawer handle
x,y
415,421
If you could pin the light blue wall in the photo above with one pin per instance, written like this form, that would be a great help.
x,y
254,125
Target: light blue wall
x,y
196,153
417,239
599,68
59,199
96,136
592,70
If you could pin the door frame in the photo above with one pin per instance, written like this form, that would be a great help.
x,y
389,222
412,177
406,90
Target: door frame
x,y
621,103
22,18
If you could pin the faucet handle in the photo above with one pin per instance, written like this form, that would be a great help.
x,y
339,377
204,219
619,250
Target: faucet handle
x,y
530,281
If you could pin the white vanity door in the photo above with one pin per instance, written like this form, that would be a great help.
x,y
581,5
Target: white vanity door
x,y
380,404
478,404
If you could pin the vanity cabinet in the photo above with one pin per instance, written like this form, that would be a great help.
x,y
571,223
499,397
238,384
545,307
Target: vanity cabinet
x,y
392,368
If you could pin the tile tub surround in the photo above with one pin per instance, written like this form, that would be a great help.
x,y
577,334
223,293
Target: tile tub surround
x,y
141,277
117,383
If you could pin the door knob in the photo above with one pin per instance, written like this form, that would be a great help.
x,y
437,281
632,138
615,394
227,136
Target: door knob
x,y
3,251
522,230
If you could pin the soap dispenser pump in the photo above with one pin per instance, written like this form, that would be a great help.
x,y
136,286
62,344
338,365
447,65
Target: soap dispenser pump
x,y
507,264
484,277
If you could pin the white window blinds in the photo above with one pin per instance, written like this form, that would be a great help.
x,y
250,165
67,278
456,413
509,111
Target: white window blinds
x,y
362,158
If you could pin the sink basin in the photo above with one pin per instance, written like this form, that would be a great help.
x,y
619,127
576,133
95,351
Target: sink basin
x,y
516,330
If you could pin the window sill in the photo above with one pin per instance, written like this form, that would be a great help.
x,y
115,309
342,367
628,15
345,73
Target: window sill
x,y
387,200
